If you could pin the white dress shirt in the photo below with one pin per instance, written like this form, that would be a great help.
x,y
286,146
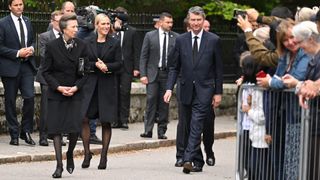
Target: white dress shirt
x,y
161,38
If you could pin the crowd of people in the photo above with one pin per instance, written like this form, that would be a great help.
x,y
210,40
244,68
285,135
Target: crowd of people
x,y
85,75
283,58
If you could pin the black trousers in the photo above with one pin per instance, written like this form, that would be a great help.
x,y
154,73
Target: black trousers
x,y
24,82
125,80
43,110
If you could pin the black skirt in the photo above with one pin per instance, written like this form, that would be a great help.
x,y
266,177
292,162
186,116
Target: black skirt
x,y
64,116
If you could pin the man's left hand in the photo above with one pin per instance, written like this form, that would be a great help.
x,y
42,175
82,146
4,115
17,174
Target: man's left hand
x,y
216,100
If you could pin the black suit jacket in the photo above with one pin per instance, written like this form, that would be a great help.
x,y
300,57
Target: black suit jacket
x,y
44,38
61,67
205,74
9,46
130,50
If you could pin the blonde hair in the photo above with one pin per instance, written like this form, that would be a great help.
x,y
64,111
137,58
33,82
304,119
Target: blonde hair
x,y
98,18
282,31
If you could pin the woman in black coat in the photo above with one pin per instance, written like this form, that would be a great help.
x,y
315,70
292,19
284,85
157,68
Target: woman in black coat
x,y
60,71
101,89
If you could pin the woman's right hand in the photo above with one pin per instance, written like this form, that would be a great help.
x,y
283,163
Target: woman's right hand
x,y
268,138
102,66
64,90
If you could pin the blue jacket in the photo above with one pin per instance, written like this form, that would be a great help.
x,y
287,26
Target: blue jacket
x,y
298,69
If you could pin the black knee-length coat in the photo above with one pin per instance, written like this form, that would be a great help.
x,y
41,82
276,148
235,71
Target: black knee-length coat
x,y
106,83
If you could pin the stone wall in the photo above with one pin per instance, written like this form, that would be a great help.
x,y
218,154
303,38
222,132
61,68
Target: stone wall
x,y
138,104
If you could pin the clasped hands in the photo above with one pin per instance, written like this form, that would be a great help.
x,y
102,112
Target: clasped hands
x,y
26,52
102,66
67,90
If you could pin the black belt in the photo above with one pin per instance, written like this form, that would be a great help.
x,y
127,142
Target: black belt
x,y
162,69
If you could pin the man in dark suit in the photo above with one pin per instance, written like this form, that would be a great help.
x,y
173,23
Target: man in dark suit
x,y
130,58
197,57
157,44
17,70
44,38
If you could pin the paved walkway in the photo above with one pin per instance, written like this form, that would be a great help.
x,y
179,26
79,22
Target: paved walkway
x,y
122,140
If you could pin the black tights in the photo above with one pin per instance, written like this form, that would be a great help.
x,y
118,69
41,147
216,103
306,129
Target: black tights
x,y
106,137
57,142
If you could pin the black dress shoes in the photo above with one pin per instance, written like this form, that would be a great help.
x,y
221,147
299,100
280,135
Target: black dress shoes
x,y
146,135
87,159
179,163
94,139
27,138
196,169
211,161
124,126
162,136
115,125
70,162
14,141
57,173
187,167
43,141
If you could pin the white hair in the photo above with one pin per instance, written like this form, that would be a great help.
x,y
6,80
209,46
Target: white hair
x,y
305,13
305,30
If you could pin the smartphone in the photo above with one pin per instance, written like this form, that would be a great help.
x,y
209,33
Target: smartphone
x,y
237,12
261,74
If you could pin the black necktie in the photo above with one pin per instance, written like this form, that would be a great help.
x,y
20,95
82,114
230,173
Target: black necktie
x,y
195,49
22,42
164,52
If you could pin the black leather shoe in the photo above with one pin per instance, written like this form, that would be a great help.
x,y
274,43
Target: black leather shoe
x,y
86,160
43,142
94,140
70,162
146,135
57,173
211,161
14,141
115,125
103,163
162,136
196,169
124,126
27,138
187,167
179,163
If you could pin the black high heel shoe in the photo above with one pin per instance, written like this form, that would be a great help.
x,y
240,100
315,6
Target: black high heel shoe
x,y
57,173
70,162
103,163
87,159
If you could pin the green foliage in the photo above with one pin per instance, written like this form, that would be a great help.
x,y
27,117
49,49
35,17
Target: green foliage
x,y
30,3
222,8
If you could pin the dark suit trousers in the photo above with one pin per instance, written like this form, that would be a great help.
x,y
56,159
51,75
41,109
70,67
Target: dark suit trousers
x,y
155,92
125,80
24,83
43,110
195,113
208,133
182,128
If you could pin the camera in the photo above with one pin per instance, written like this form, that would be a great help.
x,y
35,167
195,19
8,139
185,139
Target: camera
x,y
86,15
240,12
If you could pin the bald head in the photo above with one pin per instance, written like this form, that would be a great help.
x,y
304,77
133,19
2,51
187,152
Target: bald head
x,y
206,25
67,7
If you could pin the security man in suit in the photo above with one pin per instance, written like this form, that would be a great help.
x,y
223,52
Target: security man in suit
x,y
44,38
197,57
17,70
157,44
130,50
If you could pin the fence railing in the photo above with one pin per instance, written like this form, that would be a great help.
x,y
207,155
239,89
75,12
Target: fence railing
x,y
276,138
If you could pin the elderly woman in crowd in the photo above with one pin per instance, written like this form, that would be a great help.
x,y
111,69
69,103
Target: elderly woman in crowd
x,y
60,71
102,87
306,34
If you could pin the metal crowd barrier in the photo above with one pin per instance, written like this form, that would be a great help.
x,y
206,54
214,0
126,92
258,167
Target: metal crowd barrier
x,y
292,152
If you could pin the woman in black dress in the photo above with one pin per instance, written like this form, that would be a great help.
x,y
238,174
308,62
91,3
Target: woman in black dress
x,y
101,88
64,94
